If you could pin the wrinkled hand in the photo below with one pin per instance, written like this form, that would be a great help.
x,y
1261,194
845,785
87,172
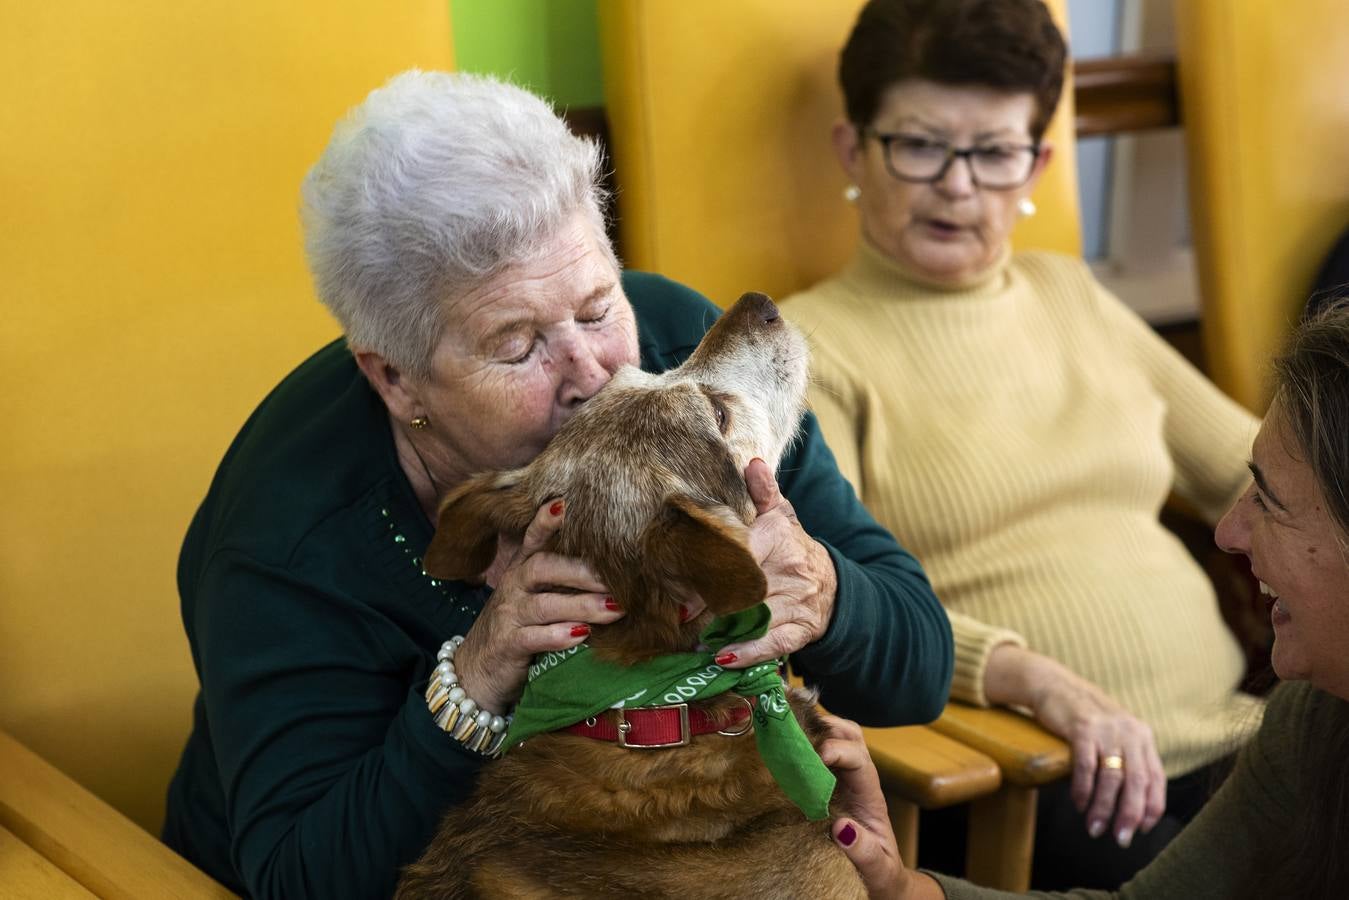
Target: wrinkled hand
x,y
541,601
801,579
1098,727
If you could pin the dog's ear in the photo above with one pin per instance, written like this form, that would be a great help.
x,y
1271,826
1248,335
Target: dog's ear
x,y
707,549
465,542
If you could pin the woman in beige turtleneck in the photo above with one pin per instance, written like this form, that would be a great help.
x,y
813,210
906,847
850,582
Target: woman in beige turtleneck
x,y
1019,429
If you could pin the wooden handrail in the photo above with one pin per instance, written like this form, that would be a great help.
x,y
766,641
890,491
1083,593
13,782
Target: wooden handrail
x,y
1125,93
86,839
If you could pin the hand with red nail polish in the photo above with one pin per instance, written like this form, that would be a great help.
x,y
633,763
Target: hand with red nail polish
x,y
802,583
541,601
863,832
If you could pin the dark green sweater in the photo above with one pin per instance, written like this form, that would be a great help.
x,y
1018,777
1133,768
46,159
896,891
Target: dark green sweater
x,y
313,768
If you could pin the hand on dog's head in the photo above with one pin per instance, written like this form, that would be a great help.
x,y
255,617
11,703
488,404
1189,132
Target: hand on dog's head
x,y
685,550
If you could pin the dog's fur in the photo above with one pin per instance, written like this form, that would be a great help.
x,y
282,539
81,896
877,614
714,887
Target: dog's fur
x,y
651,469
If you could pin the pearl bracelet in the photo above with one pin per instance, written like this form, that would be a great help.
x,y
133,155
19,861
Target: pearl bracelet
x,y
456,713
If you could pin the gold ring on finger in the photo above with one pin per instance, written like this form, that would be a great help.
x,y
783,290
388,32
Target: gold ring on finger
x,y
1113,761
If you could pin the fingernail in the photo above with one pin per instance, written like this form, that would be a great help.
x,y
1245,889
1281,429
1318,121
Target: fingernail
x,y
583,630
1093,828
610,604
847,835
725,659
683,613
556,508
1125,837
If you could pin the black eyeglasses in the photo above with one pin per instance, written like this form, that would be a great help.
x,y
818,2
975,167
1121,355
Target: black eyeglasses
x,y
996,166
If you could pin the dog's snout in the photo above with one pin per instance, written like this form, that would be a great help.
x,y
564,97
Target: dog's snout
x,y
760,308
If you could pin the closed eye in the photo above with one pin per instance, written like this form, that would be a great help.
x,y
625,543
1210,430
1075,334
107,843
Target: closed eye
x,y
594,316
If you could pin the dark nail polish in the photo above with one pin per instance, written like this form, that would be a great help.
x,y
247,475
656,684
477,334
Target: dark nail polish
x,y
847,835
684,615
580,630
725,659
610,604
556,508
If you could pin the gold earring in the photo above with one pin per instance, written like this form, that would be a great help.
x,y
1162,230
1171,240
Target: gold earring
x,y
851,193
420,423
1025,206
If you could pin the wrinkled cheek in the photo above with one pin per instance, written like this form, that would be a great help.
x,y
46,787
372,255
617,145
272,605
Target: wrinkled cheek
x,y
621,349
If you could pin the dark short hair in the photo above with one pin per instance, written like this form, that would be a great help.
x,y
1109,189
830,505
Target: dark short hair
x,y
1312,388
1007,45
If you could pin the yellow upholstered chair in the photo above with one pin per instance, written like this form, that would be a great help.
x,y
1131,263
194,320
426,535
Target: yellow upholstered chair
x,y
1267,139
719,117
154,289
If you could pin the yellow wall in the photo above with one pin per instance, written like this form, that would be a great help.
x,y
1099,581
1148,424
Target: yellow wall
x,y
152,287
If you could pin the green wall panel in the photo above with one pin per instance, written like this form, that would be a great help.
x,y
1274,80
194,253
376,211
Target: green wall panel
x,y
548,46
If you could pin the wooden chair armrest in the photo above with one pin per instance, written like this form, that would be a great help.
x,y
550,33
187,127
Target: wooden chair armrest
x,y
926,768
920,768
85,838
930,769
1027,755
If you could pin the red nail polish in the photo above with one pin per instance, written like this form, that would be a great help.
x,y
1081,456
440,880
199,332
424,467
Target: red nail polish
x,y
847,835
556,508
580,630
725,659
684,615
610,604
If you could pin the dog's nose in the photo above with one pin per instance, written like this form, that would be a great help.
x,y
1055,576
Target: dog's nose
x,y
761,307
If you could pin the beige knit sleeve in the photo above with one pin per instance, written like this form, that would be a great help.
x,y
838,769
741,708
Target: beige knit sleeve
x,y
832,395
1207,433
840,432
974,641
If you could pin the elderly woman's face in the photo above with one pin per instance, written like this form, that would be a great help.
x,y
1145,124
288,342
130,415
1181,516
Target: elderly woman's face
x,y
949,231
1283,526
522,352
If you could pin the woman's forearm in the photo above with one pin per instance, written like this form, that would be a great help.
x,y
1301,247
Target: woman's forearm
x,y
1016,676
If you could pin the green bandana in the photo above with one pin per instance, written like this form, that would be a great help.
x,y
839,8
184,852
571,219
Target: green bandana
x,y
570,685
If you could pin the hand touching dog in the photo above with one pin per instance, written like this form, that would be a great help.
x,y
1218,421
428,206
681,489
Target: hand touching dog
x,y
541,601
802,583
864,831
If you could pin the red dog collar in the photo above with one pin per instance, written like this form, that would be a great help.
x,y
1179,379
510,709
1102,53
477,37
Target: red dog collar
x,y
652,727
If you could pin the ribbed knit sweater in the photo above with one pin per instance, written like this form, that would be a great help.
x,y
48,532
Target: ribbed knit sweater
x,y
1020,435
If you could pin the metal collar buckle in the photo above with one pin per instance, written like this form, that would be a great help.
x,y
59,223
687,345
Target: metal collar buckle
x,y
624,726
749,720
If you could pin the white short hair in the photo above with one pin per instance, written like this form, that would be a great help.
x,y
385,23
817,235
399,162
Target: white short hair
x,y
436,182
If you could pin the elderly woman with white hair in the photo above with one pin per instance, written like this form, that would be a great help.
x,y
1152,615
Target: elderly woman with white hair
x,y
454,228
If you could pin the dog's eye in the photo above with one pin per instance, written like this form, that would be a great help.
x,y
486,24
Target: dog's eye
x,y
722,413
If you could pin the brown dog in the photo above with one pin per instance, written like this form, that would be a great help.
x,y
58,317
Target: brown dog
x,y
651,470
